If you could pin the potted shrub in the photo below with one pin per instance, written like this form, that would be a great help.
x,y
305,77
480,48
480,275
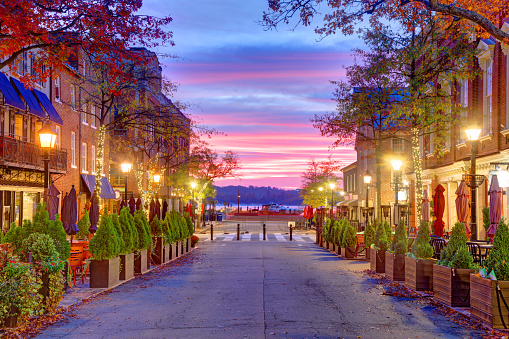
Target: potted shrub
x,y
190,230
325,233
83,226
174,233
419,262
335,236
349,242
19,286
451,274
377,252
369,237
104,248
156,233
395,256
141,258
487,294
183,234
129,237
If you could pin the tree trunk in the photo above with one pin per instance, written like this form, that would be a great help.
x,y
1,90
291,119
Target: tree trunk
x,y
99,165
416,157
378,150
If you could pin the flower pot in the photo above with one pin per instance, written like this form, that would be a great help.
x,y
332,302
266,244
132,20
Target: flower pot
x,y
166,253
395,266
484,305
126,266
377,260
451,285
140,262
104,273
348,252
419,274
157,251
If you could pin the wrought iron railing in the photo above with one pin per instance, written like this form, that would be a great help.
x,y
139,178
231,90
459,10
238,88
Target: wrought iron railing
x,y
27,154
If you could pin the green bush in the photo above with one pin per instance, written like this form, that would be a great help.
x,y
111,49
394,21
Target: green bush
x,y
335,233
141,223
104,244
399,241
189,223
13,236
40,246
120,234
457,242
325,230
422,248
156,228
183,228
83,225
349,237
498,259
127,230
388,231
369,235
344,224
381,242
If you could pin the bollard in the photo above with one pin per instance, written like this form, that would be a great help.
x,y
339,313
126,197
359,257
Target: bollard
x,y
238,231
264,231
291,228
212,232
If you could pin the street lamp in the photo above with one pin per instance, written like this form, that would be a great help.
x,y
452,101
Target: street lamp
x,y
332,185
367,182
48,139
472,180
126,168
157,178
238,201
396,165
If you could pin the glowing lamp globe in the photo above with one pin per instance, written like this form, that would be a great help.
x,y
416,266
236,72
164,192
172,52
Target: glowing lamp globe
x,y
126,167
47,136
157,178
396,164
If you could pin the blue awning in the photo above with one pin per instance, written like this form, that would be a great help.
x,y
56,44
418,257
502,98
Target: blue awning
x,y
30,99
107,191
48,106
11,97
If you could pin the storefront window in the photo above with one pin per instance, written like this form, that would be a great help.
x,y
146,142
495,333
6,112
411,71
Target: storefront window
x,y
29,205
17,207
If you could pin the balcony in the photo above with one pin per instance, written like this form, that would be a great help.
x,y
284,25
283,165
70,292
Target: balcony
x,y
22,154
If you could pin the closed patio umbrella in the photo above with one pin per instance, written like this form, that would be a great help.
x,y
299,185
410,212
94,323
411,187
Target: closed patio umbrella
x,y
138,204
52,201
70,211
122,205
165,209
425,206
93,214
151,211
495,193
158,209
439,208
132,205
462,210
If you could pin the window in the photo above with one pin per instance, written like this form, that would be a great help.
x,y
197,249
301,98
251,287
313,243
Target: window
x,y
57,88
488,86
84,157
73,149
18,126
92,116
464,93
84,68
397,145
84,113
43,79
73,97
58,130
92,159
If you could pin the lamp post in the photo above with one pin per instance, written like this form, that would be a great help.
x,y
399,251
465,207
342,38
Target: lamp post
x,y
367,182
48,139
332,185
238,200
126,168
396,165
473,180
193,185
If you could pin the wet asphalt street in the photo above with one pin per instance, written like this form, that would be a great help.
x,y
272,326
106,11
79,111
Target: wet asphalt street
x,y
255,289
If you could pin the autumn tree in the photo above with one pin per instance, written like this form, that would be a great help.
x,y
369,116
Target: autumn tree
x,y
51,31
320,174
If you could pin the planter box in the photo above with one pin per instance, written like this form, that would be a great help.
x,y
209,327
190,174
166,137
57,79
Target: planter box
x,y
338,250
188,244
104,273
484,304
157,251
149,256
377,260
183,246
166,253
140,262
348,252
451,285
367,250
419,274
173,250
395,266
126,266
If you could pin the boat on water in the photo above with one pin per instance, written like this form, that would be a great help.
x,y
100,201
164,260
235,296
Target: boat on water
x,y
278,208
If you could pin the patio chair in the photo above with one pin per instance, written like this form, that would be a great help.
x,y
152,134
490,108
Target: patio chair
x,y
475,251
438,244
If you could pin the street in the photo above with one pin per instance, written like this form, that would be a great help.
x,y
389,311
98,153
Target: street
x,y
256,289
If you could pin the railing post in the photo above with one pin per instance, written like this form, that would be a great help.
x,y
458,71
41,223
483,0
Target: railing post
x,y
291,230
212,232
264,231
238,231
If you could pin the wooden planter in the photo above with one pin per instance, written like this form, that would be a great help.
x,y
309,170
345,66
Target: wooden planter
x,y
395,266
166,253
338,250
483,301
188,244
126,266
451,285
367,250
104,273
348,252
173,250
419,274
149,256
157,251
183,244
377,260
140,262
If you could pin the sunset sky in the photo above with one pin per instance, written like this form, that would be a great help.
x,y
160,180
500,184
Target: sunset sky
x,y
260,88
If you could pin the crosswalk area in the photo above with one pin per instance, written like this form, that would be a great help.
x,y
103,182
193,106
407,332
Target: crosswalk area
x,y
259,237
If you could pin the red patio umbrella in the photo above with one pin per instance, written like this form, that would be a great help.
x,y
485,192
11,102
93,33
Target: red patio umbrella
x,y
439,208
425,206
151,210
52,199
462,210
93,214
158,210
165,209
132,205
495,193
